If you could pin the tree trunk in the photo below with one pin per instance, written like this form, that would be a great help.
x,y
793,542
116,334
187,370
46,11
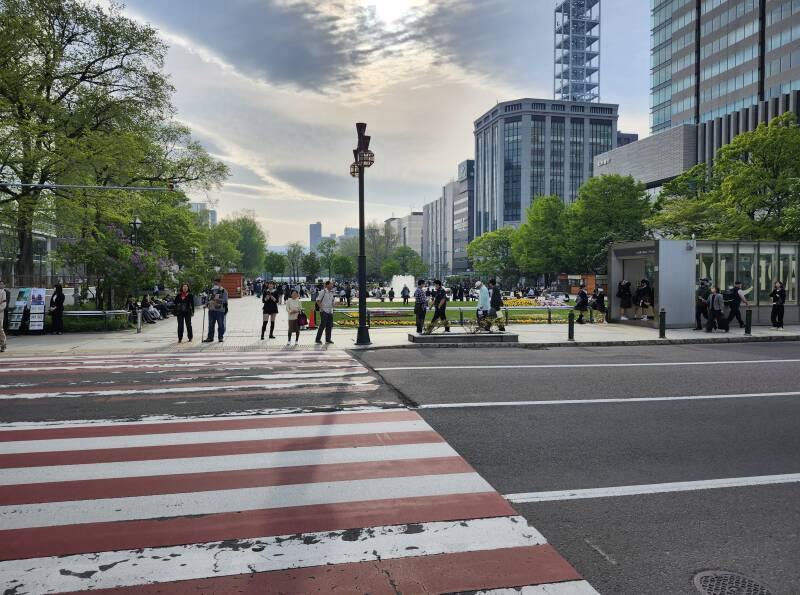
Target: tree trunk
x,y
24,266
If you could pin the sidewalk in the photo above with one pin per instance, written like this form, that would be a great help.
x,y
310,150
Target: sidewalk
x,y
244,329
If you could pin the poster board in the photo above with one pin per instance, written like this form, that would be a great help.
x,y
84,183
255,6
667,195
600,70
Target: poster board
x,y
36,321
16,313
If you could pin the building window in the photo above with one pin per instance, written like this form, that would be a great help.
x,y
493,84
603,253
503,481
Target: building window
x,y
538,166
557,107
513,108
605,111
787,271
599,140
557,157
746,271
539,106
512,171
767,272
578,109
576,135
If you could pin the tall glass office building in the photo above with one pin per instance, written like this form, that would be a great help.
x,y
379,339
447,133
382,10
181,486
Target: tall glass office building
x,y
535,147
711,58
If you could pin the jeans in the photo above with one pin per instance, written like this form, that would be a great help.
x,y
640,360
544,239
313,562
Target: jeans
x,y
776,316
326,324
216,317
700,312
186,318
713,317
419,311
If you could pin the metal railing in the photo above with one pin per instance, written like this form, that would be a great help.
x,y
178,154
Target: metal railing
x,y
387,312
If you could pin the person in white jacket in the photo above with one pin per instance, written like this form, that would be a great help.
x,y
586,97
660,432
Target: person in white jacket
x,y
484,304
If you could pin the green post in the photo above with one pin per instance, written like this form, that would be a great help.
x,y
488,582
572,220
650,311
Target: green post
x,y
571,326
662,324
506,313
461,316
549,315
748,322
591,314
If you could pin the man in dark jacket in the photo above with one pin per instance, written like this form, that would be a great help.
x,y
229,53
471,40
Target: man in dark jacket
x,y
496,304
701,304
440,305
581,302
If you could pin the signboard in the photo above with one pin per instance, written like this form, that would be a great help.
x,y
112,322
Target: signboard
x,y
36,321
16,313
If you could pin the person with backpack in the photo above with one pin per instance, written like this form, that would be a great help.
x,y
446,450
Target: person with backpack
x,y
701,303
217,308
581,303
734,298
778,296
420,305
405,293
496,304
715,311
440,305
625,298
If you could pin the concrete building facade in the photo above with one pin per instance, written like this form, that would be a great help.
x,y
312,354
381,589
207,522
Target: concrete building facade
x,y
202,208
314,235
437,233
408,230
535,147
463,215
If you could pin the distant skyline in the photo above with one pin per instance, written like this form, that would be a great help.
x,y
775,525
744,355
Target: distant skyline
x,y
274,88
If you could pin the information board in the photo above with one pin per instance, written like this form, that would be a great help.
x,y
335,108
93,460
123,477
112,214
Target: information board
x,y
36,321
16,313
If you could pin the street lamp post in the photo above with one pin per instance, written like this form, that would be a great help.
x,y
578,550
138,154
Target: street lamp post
x,y
136,224
364,158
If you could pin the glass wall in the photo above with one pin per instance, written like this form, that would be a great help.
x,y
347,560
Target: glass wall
x,y
767,271
746,271
576,137
512,178
787,271
705,261
537,157
726,256
557,157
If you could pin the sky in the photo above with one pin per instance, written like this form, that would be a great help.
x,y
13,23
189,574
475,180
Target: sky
x,y
274,87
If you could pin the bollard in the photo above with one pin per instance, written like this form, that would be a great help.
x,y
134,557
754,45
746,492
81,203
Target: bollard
x,y
571,325
138,321
591,314
461,316
506,312
748,322
662,324
549,316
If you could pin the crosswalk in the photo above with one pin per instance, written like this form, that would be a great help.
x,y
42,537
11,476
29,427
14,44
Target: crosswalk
x,y
362,501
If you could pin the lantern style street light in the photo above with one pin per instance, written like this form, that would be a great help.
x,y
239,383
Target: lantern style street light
x,y
194,254
136,224
364,158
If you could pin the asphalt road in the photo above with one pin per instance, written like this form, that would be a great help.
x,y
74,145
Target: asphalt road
x,y
653,542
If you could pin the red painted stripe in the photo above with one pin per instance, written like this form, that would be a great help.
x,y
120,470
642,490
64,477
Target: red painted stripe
x,y
180,451
228,386
101,537
445,573
225,480
237,367
208,425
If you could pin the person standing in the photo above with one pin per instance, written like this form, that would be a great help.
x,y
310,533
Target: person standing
x,y
715,306
391,294
643,300
405,293
217,308
325,301
348,294
420,305
625,298
184,310
735,297
293,309
269,301
496,304
3,307
701,304
484,305
778,296
581,303
57,309
440,306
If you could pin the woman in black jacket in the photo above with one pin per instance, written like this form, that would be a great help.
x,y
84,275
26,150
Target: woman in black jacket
x,y
57,309
269,300
184,310
625,298
778,296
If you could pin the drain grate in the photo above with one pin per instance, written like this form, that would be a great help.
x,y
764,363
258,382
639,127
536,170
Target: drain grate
x,y
722,582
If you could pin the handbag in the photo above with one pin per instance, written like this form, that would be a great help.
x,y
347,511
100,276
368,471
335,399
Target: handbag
x,y
302,319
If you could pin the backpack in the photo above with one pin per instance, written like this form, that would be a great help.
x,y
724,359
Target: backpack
x,y
730,297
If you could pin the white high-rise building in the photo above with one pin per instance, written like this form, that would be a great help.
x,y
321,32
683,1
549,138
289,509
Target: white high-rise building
x,y
408,230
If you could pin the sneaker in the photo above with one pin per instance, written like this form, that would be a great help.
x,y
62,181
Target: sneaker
x,y
329,342
208,340
180,340
219,340
318,342
2,348
623,318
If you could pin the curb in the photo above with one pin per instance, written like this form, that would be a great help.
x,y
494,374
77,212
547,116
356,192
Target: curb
x,y
631,343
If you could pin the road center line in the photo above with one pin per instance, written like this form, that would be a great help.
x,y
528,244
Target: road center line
x,y
557,366
653,488
603,401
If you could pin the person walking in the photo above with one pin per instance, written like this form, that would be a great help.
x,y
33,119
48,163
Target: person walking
x,y
325,301
293,309
734,298
778,296
3,307
701,304
217,308
405,293
581,303
184,310
496,304
625,298
715,307
484,305
440,306
57,309
420,305
269,301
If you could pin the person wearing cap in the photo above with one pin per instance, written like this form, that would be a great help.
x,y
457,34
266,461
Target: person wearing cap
x,y
217,308
581,302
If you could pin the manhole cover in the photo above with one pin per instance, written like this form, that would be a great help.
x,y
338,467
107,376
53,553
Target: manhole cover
x,y
722,582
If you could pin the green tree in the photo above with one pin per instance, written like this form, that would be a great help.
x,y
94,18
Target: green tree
x,y
752,190
538,244
492,255
250,243
327,252
390,268
410,262
344,266
274,263
609,209
311,265
294,259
